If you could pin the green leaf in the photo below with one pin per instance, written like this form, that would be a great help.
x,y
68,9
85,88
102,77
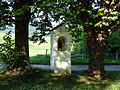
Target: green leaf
x,y
95,16
60,10
39,8
67,0
118,22
99,24
101,9
104,17
83,10
113,13
106,11
89,11
114,18
106,23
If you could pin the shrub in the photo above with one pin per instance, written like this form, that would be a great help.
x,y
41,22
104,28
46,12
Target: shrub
x,y
9,56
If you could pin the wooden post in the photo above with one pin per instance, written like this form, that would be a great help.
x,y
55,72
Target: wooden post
x,y
46,53
82,55
116,55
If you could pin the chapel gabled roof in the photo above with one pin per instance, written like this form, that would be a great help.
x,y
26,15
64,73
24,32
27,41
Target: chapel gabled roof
x,y
56,27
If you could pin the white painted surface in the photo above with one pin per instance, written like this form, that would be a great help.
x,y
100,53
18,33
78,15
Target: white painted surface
x,y
52,53
60,60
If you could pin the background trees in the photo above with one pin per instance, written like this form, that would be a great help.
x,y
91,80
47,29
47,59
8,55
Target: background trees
x,y
113,42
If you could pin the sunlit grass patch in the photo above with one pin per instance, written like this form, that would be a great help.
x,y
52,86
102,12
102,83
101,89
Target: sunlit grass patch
x,y
40,59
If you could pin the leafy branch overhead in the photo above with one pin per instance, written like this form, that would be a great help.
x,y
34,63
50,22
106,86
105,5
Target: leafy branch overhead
x,y
75,13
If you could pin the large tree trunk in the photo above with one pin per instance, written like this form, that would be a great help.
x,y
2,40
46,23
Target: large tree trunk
x,y
21,38
21,31
96,45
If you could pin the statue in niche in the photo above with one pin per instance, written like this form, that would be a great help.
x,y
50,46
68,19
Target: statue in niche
x,y
61,44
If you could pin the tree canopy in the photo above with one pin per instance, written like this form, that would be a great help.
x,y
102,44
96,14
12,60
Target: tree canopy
x,y
75,13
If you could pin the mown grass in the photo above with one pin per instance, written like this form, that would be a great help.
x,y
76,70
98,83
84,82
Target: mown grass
x,y
35,48
36,79
42,59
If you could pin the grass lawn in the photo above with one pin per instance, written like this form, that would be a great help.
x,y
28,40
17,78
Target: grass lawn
x,y
41,59
35,48
37,79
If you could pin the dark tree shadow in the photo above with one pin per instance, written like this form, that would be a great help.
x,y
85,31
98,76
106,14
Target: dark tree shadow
x,y
37,79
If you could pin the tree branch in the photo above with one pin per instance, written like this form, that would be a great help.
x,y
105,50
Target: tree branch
x,y
114,22
113,29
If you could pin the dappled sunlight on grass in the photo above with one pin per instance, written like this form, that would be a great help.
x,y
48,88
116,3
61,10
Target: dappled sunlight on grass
x,y
36,79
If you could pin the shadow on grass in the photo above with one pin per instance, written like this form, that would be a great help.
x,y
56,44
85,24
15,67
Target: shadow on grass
x,y
36,79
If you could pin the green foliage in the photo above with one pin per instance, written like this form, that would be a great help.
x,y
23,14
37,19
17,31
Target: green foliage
x,y
9,56
107,16
77,33
38,37
5,14
80,46
43,12
113,42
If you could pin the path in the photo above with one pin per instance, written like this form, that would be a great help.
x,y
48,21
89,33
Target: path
x,y
81,67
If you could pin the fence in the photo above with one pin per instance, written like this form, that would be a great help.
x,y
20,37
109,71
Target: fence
x,y
83,55
36,52
109,57
115,56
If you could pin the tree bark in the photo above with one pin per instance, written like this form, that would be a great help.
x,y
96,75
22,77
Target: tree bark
x,y
96,45
21,38
21,31
96,41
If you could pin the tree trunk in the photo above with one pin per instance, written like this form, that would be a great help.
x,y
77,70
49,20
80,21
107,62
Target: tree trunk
x,y
21,39
96,45
21,32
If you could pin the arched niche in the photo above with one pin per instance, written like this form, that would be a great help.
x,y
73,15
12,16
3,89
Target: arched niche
x,y
62,44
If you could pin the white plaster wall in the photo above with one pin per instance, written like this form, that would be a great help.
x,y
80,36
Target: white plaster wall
x,y
52,53
60,60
